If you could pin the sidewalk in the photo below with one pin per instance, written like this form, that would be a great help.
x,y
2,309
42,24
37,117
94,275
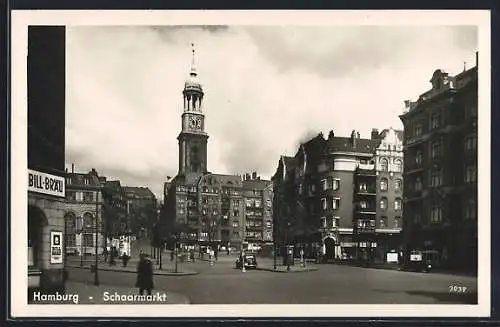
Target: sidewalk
x,y
87,293
168,268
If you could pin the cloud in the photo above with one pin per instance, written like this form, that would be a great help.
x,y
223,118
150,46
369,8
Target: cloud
x,y
266,88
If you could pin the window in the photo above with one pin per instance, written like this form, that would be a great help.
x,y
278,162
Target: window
x,y
471,144
88,221
323,204
470,174
236,213
362,187
383,203
436,214
269,203
398,166
383,222
398,185
470,211
71,195
324,184
396,222
436,120
398,204
323,222
336,184
88,240
417,131
336,203
418,158
88,196
383,184
436,150
269,224
363,204
384,165
86,181
418,184
258,203
436,177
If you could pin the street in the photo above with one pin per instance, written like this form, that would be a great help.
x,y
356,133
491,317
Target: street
x,y
330,284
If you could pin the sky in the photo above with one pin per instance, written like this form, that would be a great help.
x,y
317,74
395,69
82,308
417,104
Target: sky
x,y
267,89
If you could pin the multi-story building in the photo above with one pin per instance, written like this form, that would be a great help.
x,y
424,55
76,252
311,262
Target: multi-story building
x,y
201,207
84,219
326,197
141,211
258,194
46,158
440,170
115,210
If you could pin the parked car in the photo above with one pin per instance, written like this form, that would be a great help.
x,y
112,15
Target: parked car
x,y
249,259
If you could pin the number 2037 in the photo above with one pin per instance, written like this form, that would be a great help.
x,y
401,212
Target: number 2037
x,y
457,289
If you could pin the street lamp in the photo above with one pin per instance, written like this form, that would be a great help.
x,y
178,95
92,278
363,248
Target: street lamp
x,y
96,272
79,230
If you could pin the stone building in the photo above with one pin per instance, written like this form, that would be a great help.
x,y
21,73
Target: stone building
x,y
46,155
440,171
84,221
326,197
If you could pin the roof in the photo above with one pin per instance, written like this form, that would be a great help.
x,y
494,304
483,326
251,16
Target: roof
x,y
344,144
78,179
142,192
256,184
229,180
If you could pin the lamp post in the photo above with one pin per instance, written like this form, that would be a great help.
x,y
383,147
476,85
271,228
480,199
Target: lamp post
x,y
80,231
96,272
287,247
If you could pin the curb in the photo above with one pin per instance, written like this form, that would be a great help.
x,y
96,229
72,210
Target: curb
x,y
156,272
285,271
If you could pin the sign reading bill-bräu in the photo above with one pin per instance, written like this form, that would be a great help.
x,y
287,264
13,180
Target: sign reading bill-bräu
x,y
45,183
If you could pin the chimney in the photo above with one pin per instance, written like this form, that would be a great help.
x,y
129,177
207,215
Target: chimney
x,y
358,135
374,134
353,139
331,135
72,168
254,175
247,177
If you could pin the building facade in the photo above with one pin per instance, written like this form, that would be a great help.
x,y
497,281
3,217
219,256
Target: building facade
x,y
46,155
326,197
258,195
84,221
141,211
440,171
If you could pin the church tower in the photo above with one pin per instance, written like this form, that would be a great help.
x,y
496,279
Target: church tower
x,y
193,138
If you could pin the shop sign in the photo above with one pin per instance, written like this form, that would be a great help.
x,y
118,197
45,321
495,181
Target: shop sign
x,y
56,247
45,183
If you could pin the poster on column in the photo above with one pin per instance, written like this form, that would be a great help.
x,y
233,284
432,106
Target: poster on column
x,y
56,247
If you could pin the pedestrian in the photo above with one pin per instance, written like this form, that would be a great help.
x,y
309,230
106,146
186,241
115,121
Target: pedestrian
x,y
144,275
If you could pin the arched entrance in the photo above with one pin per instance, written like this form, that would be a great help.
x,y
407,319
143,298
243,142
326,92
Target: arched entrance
x,y
36,223
329,243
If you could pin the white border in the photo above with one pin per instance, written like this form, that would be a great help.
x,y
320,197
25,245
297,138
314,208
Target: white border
x,y
20,21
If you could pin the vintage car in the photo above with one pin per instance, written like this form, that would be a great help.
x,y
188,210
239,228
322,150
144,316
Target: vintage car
x,y
250,260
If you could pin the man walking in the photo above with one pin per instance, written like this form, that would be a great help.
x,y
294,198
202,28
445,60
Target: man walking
x,y
144,275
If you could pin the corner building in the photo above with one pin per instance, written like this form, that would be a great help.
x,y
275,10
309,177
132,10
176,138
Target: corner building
x,y
328,200
440,159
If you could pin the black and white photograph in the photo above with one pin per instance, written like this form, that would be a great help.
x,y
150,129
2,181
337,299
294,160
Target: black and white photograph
x,y
251,163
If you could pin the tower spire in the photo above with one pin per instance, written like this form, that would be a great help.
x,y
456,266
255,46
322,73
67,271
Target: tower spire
x,y
193,67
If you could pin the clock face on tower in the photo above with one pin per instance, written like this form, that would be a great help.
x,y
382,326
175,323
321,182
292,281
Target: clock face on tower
x,y
195,123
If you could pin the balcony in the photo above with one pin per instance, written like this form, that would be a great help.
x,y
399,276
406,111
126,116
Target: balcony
x,y
369,209
366,191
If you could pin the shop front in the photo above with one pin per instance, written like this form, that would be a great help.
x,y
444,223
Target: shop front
x,y
46,208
